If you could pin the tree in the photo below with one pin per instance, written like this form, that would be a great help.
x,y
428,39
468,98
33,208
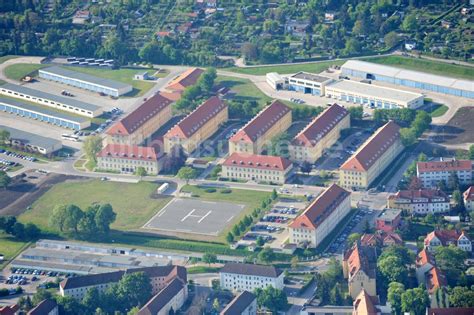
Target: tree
x,y
394,296
7,223
410,22
393,269
209,258
352,238
140,171
69,305
186,173
104,216
471,152
266,255
274,194
92,145
133,289
31,231
415,301
92,300
215,305
356,112
306,167
391,39
407,136
206,81
260,242
294,262
336,295
273,299
458,201
5,180
40,295
73,215
453,182
4,136
461,297
450,260
25,303
58,217
229,237
367,228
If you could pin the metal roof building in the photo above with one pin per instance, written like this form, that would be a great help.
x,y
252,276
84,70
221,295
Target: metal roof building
x,y
51,100
85,81
409,78
32,141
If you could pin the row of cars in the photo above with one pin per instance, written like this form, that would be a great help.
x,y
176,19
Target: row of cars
x,y
37,272
5,165
18,155
340,243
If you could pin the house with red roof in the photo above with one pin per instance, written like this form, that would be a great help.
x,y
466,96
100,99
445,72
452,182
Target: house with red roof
x,y
253,167
365,304
420,201
323,131
372,158
142,122
468,197
446,238
381,239
184,80
198,126
359,266
432,172
321,217
429,275
256,135
389,220
124,158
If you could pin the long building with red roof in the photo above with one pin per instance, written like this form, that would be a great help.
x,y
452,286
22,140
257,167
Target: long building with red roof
x,y
320,134
184,80
198,126
372,158
142,122
420,201
261,168
254,137
320,217
124,158
433,172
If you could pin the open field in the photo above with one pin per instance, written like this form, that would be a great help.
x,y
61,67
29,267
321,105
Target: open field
x,y
428,66
245,90
459,129
132,202
10,247
19,70
315,67
437,110
122,75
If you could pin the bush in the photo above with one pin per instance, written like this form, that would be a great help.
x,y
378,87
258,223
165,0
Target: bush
x,y
210,190
4,292
226,191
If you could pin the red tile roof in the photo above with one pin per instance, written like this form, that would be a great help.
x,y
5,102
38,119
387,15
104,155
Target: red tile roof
x,y
445,236
261,123
381,238
129,152
444,166
424,257
420,193
364,304
363,258
451,311
469,194
373,148
321,208
184,80
173,96
149,109
320,126
197,118
257,161
435,279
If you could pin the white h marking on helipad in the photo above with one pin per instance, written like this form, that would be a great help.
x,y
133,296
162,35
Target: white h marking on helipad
x,y
199,221
189,214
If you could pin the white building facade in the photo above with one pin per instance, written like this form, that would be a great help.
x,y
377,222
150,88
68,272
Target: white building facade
x,y
248,277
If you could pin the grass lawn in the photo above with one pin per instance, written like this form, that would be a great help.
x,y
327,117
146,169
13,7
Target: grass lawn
x,y
245,90
314,67
437,110
10,247
131,202
202,269
7,57
429,66
122,75
20,70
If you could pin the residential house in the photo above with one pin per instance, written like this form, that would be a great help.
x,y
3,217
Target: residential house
x,y
468,197
359,267
381,239
430,276
446,238
420,201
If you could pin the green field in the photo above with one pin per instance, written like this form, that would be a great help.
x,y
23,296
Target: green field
x,y
438,110
10,247
122,75
428,66
19,70
314,67
245,90
7,57
131,202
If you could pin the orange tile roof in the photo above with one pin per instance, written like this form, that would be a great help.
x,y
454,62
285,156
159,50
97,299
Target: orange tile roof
x,y
363,258
184,80
188,126
445,236
321,208
373,148
420,193
469,194
320,126
257,161
364,304
435,279
424,257
444,166
381,238
261,123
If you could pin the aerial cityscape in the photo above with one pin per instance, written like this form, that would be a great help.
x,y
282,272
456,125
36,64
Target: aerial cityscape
x,y
237,157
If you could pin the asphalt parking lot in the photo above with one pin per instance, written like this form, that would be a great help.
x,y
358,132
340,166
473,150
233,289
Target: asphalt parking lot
x,y
194,216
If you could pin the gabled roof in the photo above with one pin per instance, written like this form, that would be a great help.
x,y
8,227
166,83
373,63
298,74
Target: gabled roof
x,y
469,194
184,80
160,300
444,166
424,257
435,279
129,152
445,236
261,123
373,148
149,109
257,161
451,311
320,126
412,195
239,304
251,270
44,307
363,258
197,118
364,304
381,238
9,309
321,208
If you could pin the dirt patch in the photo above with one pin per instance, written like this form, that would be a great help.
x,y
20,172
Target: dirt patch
x,y
458,130
26,190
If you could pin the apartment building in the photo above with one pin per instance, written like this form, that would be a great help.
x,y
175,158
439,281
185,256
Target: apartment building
x,y
420,202
260,168
243,304
321,217
468,197
248,277
308,83
389,220
320,134
160,277
359,267
433,172
258,132
372,158
171,297
127,158
198,126
446,238
184,80
141,123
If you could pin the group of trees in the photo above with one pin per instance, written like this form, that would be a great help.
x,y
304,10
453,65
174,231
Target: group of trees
x,y
393,265
24,232
193,95
92,145
5,180
413,301
94,221
272,299
417,127
330,290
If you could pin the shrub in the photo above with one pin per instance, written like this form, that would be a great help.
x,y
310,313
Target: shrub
x,y
226,191
210,190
